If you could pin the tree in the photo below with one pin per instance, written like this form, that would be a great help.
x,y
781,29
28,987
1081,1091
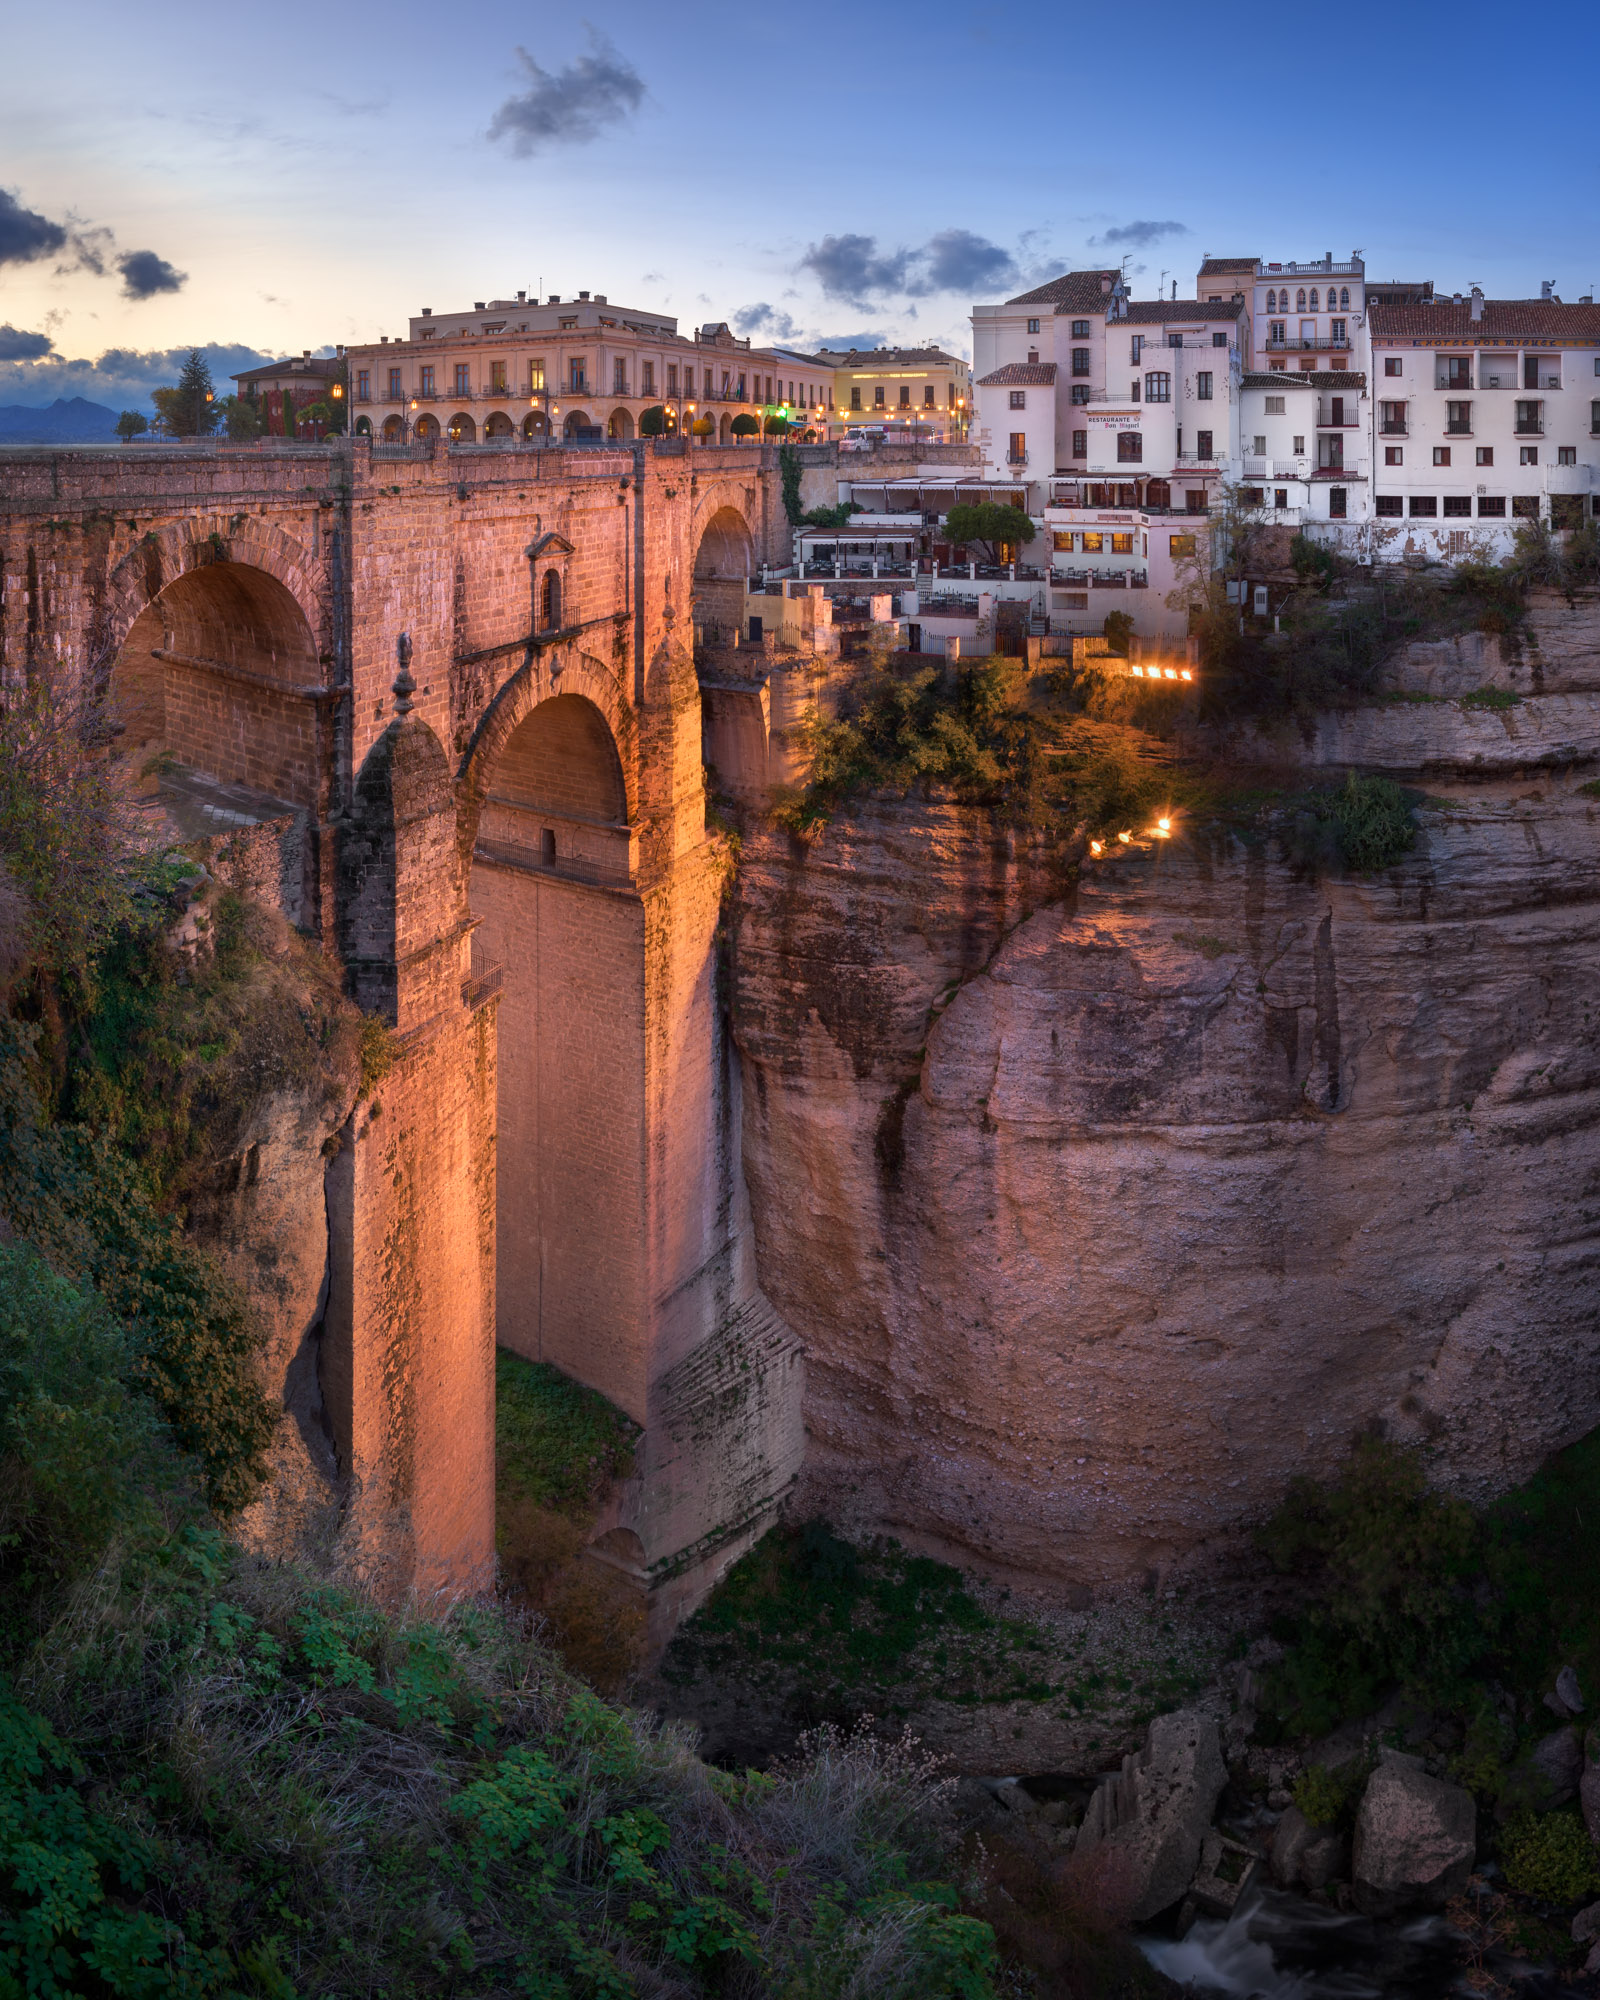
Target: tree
x,y
1118,629
990,527
242,416
189,410
777,427
132,424
744,425
653,422
703,427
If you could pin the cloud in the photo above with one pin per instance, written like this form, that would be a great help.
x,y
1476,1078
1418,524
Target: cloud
x,y
765,320
144,274
569,107
1140,235
15,345
24,234
121,377
855,269
842,343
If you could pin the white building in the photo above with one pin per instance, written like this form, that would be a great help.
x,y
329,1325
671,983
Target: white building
x,y
1306,450
1484,412
1305,316
1036,361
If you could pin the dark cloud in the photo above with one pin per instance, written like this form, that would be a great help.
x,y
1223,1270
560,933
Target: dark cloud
x,y
568,107
853,268
842,343
24,234
1140,235
765,320
122,377
144,274
15,345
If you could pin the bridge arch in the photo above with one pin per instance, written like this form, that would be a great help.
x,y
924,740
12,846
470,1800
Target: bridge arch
x,y
561,924
724,556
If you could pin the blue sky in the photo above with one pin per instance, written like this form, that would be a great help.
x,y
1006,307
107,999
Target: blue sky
x,y
308,174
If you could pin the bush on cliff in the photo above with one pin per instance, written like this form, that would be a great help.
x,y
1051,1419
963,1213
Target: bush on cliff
x,y
1365,824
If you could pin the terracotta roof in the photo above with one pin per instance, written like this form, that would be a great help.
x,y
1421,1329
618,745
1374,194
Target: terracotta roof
x,y
1159,310
321,367
1021,375
1304,378
1073,291
1505,322
1218,267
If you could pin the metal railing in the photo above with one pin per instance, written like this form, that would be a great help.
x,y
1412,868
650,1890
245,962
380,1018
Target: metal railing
x,y
1394,430
1458,430
1529,428
1330,345
1016,458
1337,423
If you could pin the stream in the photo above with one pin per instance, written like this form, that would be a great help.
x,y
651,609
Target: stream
x,y
1279,1946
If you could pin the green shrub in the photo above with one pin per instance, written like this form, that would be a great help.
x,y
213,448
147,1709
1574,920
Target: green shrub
x,y
1368,824
1550,1856
1329,1798
557,1443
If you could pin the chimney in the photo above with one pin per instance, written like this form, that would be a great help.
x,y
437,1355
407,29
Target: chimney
x,y
522,298
583,295
1105,281
1174,288
427,312
478,306
599,298
1547,288
555,298
1477,302
305,354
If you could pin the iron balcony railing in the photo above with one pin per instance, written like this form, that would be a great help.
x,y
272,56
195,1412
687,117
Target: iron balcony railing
x,y
1016,458
1458,429
1394,430
1340,344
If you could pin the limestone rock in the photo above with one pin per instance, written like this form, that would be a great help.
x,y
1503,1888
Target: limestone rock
x,y
1306,1856
1153,1813
1416,1837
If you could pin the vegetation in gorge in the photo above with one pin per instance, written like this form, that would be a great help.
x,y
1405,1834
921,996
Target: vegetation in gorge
x,y
1403,1588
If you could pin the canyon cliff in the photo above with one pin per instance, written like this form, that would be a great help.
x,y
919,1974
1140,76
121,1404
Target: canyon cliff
x,y
1105,1206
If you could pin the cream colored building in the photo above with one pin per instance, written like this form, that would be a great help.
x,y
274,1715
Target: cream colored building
x,y
920,390
576,370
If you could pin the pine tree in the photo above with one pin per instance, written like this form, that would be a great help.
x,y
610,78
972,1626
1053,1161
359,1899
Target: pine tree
x,y
189,410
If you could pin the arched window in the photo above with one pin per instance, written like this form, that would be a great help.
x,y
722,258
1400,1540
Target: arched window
x,y
1344,296
1313,298
1301,299
1272,300
550,602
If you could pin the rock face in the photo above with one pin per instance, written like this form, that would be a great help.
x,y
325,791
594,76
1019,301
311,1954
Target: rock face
x,y
1415,1838
1306,1856
1101,1214
1152,1815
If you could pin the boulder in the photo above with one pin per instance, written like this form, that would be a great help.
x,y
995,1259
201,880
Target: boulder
x,y
1557,1761
1586,1925
1306,1856
1416,1837
1589,1785
1568,1690
1227,1869
1152,1815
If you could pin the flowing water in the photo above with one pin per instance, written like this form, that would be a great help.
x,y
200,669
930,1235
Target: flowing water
x,y
1277,1946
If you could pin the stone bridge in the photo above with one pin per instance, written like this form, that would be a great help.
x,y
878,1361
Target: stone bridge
x,y
451,696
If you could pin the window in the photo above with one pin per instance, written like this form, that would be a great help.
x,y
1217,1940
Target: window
x,y
1394,454
1180,545
879,397
1133,392
1276,407
535,377
1061,541
1313,298
1249,496
1340,332
1080,329
1080,392
1424,507
1019,399
1158,386
1457,509
1393,365
1300,299
1344,296
550,601
647,380
1122,545
1194,499
929,395
1277,330
619,378
463,378
1175,340
1202,444
1272,301
1388,506
1566,454
1130,448
1080,444
394,385
855,399
1337,501
1093,544
497,378
1017,453
1280,496
1080,361
1594,418
1525,506
1392,419
1300,445
575,380
427,380
1441,454
1454,372
1219,340
1458,419
1202,386
1033,326
363,385
1260,445
1528,455
905,395
1492,510
1136,349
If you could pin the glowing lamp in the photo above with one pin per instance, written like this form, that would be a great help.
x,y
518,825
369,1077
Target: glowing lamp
x,y
338,388
1185,674
1137,672
1097,846
1163,826
1126,836
1171,673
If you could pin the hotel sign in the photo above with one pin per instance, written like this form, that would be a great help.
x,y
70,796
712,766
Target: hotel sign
x,y
1116,420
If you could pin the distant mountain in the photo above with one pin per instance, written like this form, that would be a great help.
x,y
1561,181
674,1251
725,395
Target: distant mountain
x,y
66,421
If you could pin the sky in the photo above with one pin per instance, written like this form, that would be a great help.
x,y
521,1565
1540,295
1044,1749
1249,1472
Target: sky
x,y
307,175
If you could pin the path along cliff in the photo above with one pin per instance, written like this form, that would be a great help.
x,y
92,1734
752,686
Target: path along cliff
x,y
1105,1208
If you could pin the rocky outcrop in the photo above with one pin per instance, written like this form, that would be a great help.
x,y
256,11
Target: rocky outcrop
x,y
1416,1837
1305,1856
1103,1212
1151,1817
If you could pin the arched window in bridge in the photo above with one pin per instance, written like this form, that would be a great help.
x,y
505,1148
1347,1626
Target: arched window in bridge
x,y
550,601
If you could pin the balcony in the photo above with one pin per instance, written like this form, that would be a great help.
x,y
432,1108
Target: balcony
x,y
1458,430
1529,427
1338,423
1394,430
1328,346
1016,458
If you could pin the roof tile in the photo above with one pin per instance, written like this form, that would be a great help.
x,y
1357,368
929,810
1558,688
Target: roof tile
x,y
1021,375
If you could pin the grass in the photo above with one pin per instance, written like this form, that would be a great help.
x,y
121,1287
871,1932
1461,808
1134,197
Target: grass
x,y
557,1444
